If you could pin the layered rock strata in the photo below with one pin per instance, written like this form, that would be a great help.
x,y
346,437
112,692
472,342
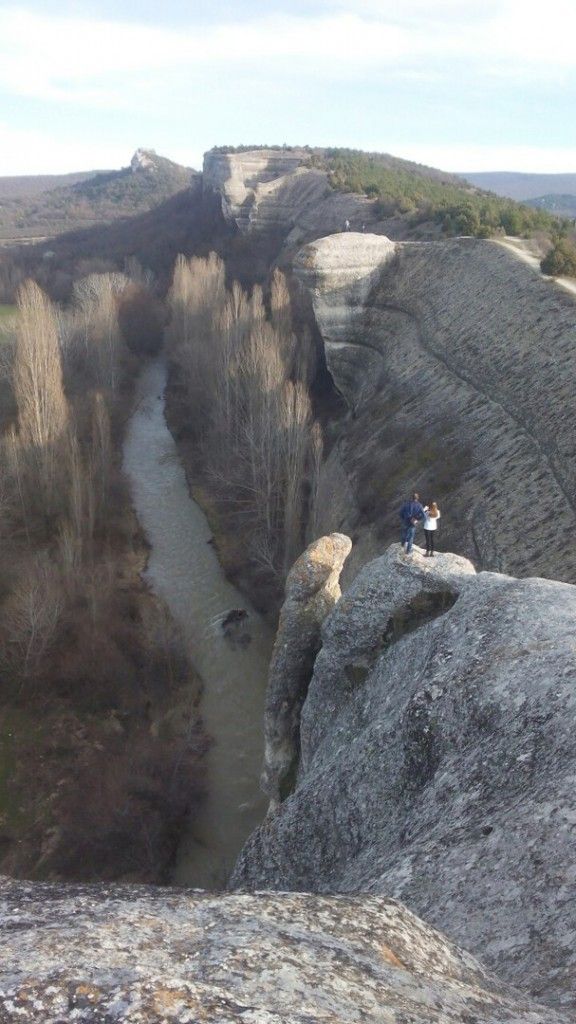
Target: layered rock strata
x,y
156,956
270,191
438,756
457,363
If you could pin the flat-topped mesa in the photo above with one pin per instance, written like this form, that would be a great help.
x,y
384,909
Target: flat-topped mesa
x,y
270,190
437,762
457,360
243,179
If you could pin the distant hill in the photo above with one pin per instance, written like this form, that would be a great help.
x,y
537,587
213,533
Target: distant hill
x,y
523,186
560,205
24,186
88,199
155,209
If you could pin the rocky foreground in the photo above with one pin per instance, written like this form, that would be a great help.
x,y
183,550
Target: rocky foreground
x,y
152,956
437,759
424,723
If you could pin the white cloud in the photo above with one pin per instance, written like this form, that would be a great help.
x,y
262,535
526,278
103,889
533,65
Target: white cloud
x,y
88,61
43,56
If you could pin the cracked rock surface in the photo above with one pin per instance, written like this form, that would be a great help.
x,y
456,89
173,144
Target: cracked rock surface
x,y
103,954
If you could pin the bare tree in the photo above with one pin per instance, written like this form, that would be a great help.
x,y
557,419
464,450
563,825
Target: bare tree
x,y
43,418
95,325
255,417
31,618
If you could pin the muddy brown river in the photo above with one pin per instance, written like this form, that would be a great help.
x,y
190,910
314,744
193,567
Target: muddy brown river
x,y
184,571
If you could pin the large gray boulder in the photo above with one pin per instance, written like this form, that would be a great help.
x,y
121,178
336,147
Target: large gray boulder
x,y
159,956
438,763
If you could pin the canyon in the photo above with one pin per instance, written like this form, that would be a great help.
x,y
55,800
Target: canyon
x,y
419,745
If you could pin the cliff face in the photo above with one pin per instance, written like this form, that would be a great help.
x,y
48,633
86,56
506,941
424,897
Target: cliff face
x,y
150,956
271,191
437,763
457,362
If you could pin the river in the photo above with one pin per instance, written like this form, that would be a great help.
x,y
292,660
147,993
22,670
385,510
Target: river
x,y
184,571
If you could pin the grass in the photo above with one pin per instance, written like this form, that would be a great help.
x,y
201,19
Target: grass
x,y
6,312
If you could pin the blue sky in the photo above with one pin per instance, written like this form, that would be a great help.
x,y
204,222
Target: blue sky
x,y
458,84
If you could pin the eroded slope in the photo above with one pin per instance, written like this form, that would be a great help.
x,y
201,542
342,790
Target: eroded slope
x,y
458,364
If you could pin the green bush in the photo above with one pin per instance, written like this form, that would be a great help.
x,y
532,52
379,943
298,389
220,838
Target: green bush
x,y
425,193
561,260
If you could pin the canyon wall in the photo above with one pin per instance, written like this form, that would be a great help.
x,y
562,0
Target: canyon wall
x,y
457,363
264,191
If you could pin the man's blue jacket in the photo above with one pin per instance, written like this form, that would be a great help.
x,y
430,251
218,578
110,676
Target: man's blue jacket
x,y
411,510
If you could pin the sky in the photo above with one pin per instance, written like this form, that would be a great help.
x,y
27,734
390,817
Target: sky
x,y
459,84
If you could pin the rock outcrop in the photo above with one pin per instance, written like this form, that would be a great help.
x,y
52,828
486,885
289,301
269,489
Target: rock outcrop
x,y
312,590
457,363
271,191
154,956
438,755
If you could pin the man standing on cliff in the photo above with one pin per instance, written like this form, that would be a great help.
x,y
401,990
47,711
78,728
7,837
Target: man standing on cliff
x,y
411,514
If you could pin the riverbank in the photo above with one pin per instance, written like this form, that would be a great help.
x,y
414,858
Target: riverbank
x,y
231,546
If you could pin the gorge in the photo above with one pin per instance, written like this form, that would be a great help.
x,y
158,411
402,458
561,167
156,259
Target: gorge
x,y
419,715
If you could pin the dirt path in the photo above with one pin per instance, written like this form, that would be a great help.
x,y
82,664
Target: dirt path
x,y
524,250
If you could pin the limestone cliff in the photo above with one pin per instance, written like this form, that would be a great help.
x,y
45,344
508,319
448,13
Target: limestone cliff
x,y
271,190
457,362
437,765
160,956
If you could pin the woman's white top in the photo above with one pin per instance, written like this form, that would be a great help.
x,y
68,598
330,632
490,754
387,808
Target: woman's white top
x,y
430,522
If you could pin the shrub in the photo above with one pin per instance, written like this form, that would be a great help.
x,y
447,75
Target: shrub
x,y
561,260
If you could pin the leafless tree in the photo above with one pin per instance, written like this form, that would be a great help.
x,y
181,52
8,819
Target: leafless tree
x,y
43,416
255,415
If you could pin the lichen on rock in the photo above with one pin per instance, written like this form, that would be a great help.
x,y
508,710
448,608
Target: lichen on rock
x,y
107,954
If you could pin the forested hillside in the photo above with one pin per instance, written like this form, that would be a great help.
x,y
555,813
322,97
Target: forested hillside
x,y
424,194
96,198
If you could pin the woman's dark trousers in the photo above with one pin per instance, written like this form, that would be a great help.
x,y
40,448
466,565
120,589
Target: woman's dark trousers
x,y
429,535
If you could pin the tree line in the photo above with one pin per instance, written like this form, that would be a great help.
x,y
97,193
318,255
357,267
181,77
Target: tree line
x,y
247,373
91,785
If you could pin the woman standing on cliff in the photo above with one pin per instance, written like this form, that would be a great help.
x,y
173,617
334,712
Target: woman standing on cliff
x,y
432,515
